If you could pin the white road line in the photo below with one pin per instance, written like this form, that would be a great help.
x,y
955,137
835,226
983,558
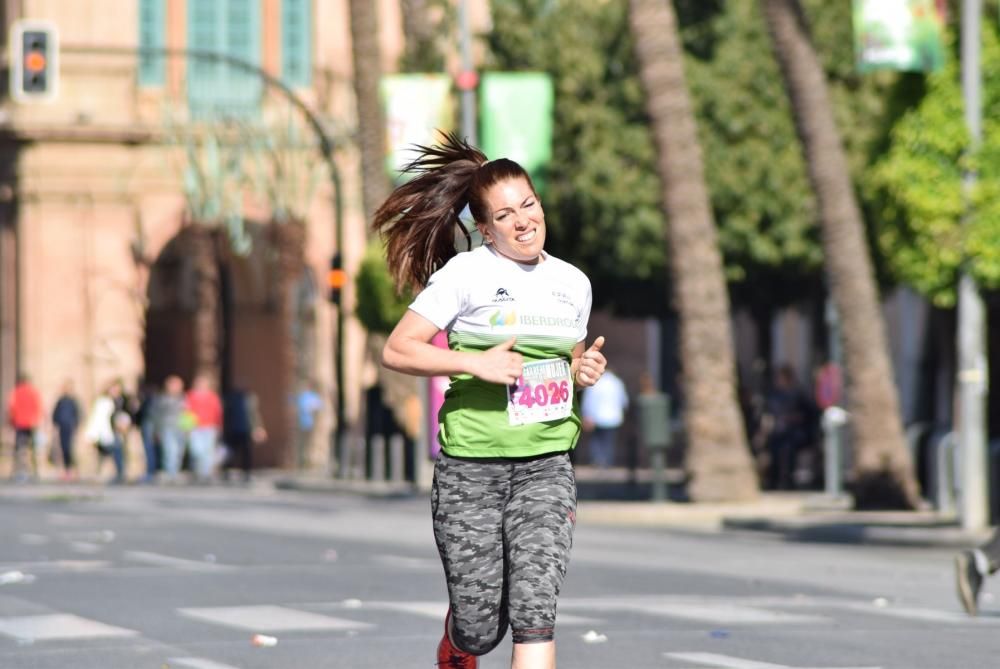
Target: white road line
x,y
925,615
403,562
59,626
271,619
434,610
197,663
731,614
47,566
158,560
729,662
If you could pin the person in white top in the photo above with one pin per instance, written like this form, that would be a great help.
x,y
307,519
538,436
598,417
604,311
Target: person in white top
x,y
603,408
503,501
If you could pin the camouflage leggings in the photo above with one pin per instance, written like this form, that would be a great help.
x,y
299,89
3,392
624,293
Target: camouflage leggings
x,y
503,529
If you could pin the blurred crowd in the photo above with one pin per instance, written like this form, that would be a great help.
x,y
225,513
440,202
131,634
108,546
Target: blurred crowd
x,y
187,434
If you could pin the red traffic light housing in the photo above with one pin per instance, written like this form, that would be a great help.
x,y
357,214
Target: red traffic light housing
x,y
34,60
336,279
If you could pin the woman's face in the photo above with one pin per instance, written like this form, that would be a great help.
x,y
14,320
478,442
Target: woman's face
x,y
516,228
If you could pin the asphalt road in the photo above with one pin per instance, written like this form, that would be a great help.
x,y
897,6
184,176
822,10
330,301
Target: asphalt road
x,y
128,578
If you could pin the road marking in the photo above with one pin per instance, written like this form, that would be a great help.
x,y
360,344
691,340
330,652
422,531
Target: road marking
x,y
730,662
271,619
197,663
701,609
55,565
158,560
58,626
730,614
34,539
925,615
403,562
434,610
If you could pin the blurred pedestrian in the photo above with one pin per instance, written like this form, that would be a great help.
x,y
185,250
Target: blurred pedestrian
x,y
973,567
144,419
167,412
603,409
307,405
788,413
203,402
24,413
242,429
503,498
66,419
108,426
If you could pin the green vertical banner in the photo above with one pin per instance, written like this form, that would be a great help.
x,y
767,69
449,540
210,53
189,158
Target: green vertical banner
x,y
416,106
899,34
515,119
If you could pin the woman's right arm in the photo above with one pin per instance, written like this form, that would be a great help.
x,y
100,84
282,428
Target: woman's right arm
x,y
409,350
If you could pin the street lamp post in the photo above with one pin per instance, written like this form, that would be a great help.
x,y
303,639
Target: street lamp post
x,y
972,363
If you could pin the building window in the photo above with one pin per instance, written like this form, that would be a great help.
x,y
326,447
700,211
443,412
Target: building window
x,y
152,35
230,27
296,42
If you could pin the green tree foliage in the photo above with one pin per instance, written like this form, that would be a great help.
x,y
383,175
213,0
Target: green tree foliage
x,y
603,204
918,185
761,197
602,196
379,307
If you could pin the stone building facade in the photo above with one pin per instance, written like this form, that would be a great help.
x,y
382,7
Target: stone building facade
x,y
96,276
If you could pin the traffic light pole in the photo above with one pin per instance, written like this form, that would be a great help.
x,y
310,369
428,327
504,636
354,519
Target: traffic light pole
x,y
326,146
972,361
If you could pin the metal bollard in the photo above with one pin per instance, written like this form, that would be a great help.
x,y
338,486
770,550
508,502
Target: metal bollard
x,y
834,419
654,429
944,473
377,446
397,458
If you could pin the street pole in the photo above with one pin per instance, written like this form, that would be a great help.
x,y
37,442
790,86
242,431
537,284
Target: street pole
x,y
467,80
972,362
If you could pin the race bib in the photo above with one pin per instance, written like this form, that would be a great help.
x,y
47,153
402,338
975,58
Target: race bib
x,y
543,392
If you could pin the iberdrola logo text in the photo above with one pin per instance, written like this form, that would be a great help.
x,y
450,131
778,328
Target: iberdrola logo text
x,y
500,318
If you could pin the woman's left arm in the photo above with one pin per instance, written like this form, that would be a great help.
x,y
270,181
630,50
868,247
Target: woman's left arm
x,y
588,365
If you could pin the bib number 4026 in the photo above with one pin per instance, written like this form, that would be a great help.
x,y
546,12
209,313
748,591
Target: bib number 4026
x,y
542,394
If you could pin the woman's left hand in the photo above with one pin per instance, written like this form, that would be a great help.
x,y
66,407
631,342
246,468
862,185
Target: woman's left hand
x,y
592,364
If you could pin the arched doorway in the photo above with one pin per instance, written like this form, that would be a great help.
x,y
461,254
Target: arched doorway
x,y
250,319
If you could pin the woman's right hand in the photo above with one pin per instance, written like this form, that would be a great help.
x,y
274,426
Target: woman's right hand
x,y
499,364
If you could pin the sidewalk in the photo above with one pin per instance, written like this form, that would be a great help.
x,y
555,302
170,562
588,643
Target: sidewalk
x,y
613,498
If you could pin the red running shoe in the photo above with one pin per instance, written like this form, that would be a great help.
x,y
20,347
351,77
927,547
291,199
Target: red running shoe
x,y
451,657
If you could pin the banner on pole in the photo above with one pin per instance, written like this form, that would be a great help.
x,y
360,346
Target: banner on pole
x,y
899,34
416,107
515,112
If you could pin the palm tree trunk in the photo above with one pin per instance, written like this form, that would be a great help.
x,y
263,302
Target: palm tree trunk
x,y
718,459
371,119
207,329
883,471
288,241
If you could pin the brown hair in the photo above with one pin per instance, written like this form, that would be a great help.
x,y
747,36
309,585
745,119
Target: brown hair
x,y
416,220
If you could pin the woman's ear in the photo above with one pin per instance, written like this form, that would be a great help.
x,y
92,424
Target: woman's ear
x,y
482,230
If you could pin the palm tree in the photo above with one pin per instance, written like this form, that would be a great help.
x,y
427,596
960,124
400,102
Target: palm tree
x,y
883,471
371,119
718,459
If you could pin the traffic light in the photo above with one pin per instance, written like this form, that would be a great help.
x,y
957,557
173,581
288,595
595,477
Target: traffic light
x,y
34,69
336,279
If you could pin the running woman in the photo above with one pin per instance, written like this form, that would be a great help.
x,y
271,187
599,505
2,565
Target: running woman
x,y
503,501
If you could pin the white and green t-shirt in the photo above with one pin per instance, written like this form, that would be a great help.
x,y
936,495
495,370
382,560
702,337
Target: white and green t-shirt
x,y
483,299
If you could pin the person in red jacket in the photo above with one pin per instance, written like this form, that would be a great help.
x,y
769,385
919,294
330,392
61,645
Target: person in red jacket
x,y
203,402
24,413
